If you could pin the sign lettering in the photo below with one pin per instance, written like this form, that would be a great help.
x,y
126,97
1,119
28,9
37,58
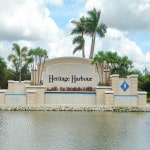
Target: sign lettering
x,y
72,79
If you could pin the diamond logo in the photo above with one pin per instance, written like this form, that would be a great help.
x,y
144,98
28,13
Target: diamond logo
x,y
124,86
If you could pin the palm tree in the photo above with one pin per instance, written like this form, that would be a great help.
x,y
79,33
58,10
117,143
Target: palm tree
x,y
125,65
99,61
93,28
112,63
79,30
44,57
18,59
39,56
80,41
33,56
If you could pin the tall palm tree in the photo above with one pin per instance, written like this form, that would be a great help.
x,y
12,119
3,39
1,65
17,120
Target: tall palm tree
x,y
93,27
79,30
18,59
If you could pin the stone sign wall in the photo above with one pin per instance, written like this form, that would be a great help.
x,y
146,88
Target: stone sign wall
x,y
72,73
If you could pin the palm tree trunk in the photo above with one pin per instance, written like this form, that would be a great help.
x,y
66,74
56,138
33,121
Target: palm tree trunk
x,y
32,72
42,68
20,76
35,69
83,52
106,72
98,72
92,46
102,70
39,69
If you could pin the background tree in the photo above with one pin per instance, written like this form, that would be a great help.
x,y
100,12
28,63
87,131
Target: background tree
x,y
2,72
5,74
80,41
122,66
112,63
99,61
93,28
79,31
19,59
39,57
145,83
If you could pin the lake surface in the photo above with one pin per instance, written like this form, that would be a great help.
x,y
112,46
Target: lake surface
x,y
39,130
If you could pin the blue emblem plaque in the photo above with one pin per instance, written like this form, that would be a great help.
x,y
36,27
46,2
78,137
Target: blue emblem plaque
x,y
124,86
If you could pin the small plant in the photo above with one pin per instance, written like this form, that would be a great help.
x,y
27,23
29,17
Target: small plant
x,y
71,89
52,89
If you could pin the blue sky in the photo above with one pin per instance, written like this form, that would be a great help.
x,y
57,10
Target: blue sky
x,y
71,9
63,13
46,23
142,40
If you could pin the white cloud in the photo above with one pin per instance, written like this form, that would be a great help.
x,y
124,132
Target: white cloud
x,y
124,14
28,20
55,2
123,17
28,23
117,41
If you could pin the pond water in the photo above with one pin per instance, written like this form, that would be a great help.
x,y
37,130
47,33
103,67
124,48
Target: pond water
x,y
52,130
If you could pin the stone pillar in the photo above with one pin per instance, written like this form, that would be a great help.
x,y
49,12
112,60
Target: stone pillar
x,y
16,87
40,90
100,94
11,86
134,84
2,96
109,98
31,97
115,83
142,98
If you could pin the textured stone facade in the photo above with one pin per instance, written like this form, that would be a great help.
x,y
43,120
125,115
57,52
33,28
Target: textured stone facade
x,y
58,72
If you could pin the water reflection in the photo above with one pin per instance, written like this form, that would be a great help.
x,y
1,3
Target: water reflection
x,y
74,131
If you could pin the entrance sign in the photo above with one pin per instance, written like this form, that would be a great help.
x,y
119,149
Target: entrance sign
x,y
69,72
72,79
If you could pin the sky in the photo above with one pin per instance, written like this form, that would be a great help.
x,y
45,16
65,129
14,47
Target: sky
x,y
47,24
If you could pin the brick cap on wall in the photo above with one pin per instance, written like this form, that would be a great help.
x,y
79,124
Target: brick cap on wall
x,y
142,93
109,92
132,76
103,87
42,87
3,91
114,76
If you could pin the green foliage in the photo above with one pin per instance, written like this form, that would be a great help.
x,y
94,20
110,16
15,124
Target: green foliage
x,y
88,26
79,31
145,84
93,27
38,56
19,60
109,61
5,74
